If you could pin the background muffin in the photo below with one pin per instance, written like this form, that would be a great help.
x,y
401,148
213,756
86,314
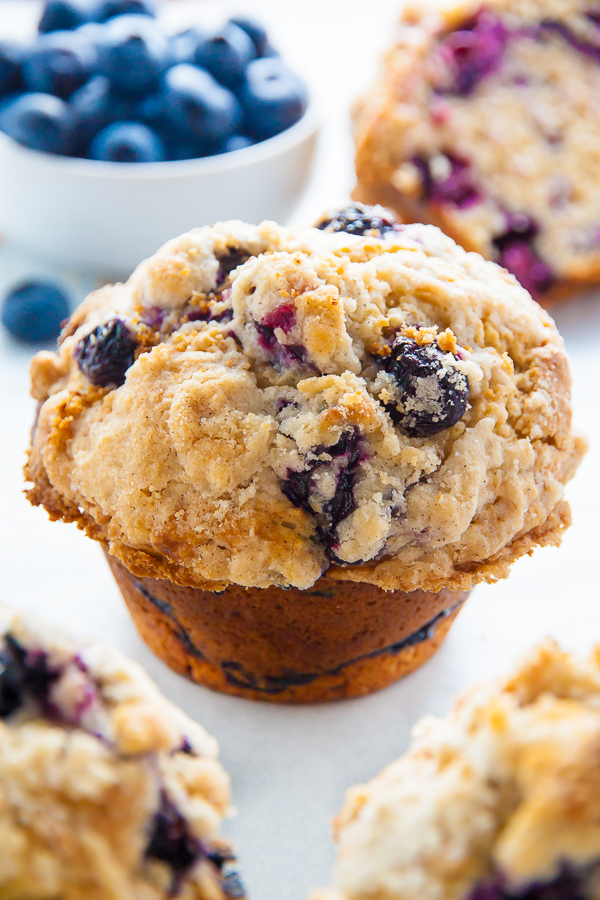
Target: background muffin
x,y
262,407
485,121
501,799
106,788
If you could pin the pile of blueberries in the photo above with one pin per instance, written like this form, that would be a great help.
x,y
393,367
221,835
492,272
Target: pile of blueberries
x,y
103,81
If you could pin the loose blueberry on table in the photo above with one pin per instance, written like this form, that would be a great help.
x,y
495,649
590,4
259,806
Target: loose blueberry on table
x,y
104,81
33,311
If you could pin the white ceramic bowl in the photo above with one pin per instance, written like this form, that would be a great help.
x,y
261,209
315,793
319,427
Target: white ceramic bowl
x,y
106,217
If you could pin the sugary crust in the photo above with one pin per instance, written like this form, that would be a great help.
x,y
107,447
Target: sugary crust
x,y
508,782
529,131
181,470
81,786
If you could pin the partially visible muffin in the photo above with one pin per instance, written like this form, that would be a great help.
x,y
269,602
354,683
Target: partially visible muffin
x,y
500,800
107,790
485,121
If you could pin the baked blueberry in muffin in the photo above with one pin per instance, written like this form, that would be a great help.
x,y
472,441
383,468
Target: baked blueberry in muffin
x,y
484,121
106,788
359,410
500,800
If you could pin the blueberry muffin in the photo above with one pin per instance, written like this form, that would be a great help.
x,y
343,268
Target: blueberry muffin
x,y
485,121
107,790
500,800
302,447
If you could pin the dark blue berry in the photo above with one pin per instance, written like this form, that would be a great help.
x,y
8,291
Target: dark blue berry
x,y
516,252
172,842
225,54
95,106
41,122
11,75
361,220
255,32
283,317
127,142
236,142
34,310
456,188
569,884
105,355
59,63
473,52
134,53
273,97
24,676
64,15
110,9
198,107
300,488
433,395
182,46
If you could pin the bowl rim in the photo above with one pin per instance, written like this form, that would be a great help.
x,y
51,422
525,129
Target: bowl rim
x,y
296,134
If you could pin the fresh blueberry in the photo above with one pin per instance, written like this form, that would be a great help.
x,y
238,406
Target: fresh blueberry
x,y
41,122
516,252
133,54
105,355
182,46
95,106
453,187
255,32
236,142
361,220
64,15
59,63
11,75
110,9
127,142
225,54
33,311
433,395
473,52
173,842
273,97
198,107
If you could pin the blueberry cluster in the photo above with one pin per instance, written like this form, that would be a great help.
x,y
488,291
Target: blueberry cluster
x,y
104,81
432,395
360,220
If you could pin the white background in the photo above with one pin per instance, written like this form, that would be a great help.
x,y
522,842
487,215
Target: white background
x,y
291,766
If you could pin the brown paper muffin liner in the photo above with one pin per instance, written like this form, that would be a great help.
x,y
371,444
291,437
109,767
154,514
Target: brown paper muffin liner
x,y
339,639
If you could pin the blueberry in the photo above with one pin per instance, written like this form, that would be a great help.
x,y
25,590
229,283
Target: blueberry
x,y
516,253
182,46
225,54
454,187
255,32
433,395
110,9
236,142
64,15
11,76
198,107
283,355
41,122
105,355
133,54
173,842
59,63
361,220
273,97
33,311
473,52
95,106
127,142
23,676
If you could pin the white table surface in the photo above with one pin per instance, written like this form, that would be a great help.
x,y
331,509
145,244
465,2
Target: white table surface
x,y
291,766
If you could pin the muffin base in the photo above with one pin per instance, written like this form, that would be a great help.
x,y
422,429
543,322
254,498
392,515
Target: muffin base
x,y
337,640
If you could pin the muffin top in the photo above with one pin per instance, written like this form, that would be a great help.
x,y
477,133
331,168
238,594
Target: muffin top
x,y
259,404
499,800
106,788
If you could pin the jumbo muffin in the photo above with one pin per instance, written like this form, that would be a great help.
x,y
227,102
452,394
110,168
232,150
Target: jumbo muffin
x,y
301,447
107,790
498,801
485,121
